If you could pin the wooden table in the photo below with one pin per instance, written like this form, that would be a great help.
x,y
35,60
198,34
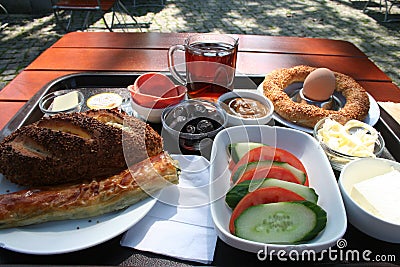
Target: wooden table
x,y
143,52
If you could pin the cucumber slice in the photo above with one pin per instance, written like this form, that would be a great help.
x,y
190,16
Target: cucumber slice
x,y
238,150
301,176
282,222
236,193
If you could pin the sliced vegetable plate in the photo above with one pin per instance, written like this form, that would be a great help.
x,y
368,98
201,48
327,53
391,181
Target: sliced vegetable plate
x,y
320,178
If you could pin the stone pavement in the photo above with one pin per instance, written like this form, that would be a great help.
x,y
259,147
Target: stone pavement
x,y
24,37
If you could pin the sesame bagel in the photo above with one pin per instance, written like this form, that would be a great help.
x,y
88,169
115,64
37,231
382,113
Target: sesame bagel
x,y
307,115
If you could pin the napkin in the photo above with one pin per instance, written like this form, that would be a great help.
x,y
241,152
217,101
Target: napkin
x,y
180,224
392,108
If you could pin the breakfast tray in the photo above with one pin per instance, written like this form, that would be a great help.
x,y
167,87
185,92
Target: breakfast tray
x,y
95,82
91,83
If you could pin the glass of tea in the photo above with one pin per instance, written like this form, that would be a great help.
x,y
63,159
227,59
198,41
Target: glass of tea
x,y
210,61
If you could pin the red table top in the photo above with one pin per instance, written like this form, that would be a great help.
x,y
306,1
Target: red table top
x,y
143,52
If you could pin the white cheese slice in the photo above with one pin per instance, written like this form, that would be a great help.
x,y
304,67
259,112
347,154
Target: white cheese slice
x,y
65,102
380,196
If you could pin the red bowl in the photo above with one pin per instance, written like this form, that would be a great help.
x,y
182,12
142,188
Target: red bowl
x,y
155,90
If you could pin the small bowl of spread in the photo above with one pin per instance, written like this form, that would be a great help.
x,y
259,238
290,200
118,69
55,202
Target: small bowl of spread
x,y
245,107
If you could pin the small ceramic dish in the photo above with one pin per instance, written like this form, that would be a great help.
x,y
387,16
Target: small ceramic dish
x,y
338,159
235,119
360,170
149,114
62,101
156,90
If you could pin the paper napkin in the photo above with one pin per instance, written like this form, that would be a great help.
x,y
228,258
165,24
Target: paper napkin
x,y
180,224
392,108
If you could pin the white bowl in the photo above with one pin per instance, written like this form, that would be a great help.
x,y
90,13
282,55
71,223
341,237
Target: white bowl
x,y
310,153
236,120
357,171
149,114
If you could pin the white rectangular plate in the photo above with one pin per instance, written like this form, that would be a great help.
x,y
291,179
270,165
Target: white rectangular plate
x,y
319,171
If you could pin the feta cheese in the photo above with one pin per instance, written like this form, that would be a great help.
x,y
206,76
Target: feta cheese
x,y
380,196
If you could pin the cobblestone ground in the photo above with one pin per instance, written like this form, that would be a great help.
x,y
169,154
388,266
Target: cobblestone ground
x,y
24,37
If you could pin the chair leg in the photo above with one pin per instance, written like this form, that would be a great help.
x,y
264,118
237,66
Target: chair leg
x,y
67,28
85,24
387,10
123,7
366,5
3,25
105,21
4,9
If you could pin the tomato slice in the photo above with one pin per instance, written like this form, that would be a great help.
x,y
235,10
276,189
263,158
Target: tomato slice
x,y
262,196
269,172
271,153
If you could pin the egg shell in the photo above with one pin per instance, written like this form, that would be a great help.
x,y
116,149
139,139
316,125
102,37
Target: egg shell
x,y
319,85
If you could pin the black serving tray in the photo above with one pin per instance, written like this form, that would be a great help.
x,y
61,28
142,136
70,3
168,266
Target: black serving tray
x,y
90,84
95,82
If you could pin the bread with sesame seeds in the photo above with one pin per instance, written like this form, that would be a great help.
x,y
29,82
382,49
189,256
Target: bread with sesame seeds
x,y
74,147
356,106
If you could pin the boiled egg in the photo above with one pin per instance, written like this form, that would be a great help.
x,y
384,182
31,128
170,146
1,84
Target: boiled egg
x,y
319,84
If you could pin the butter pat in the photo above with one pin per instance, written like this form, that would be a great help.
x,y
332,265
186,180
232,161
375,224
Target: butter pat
x,y
66,102
380,196
104,101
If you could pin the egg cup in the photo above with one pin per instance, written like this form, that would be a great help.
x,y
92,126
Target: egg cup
x,y
332,103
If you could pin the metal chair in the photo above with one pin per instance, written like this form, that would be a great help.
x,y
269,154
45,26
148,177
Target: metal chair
x,y
3,24
100,7
388,7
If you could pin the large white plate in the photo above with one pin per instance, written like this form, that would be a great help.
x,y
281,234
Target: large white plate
x,y
371,119
70,235
319,171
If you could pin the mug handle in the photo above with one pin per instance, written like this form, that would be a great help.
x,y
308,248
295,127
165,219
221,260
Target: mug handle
x,y
171,63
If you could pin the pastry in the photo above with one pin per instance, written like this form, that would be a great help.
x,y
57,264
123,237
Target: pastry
x,y
88,199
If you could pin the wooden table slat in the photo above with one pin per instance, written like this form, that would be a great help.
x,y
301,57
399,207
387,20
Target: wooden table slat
x,y
253,43
27,83
8,110
382,91
103,59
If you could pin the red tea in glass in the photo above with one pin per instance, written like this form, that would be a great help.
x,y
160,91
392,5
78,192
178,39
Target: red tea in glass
x,y
210,65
